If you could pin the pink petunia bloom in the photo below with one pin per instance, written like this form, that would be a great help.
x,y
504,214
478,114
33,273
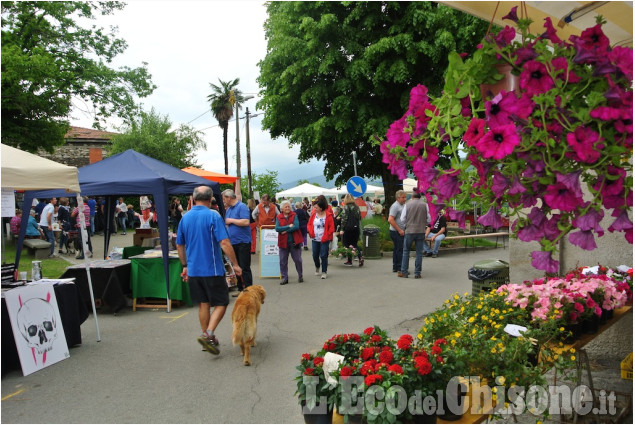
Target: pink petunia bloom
x,y
584,239
571,181
418,98
475,131
593,38
458,216
447,186
542,260
561,64
397,134
505,36
512,15
506,107
499,184
586,144
550,32
621,223
491,219
622,57
524,54
516,187
590,221
499,142
534,78
557,196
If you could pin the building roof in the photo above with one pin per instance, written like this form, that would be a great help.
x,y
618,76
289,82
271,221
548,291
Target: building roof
x,y
88,133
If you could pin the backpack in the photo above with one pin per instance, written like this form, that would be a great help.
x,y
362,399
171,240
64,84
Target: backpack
x,y
352,219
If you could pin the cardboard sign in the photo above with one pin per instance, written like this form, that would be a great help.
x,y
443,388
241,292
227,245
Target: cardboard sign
x,y
269,254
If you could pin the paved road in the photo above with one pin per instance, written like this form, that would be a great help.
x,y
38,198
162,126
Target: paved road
x,y
148,368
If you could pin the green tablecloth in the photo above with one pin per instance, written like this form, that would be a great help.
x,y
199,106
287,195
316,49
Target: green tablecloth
x,y
147,279
131,251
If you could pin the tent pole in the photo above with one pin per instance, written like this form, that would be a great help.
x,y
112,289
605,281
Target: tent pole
x,y
82,225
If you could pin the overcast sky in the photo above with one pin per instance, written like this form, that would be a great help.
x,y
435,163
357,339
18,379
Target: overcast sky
x,y
187,45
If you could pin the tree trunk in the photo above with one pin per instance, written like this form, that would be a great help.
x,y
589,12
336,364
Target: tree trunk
x,y
225,149
391,185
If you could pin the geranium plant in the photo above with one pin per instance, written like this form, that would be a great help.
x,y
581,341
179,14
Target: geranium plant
x,y
532,150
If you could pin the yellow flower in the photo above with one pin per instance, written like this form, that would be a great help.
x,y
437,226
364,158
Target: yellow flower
x,y
462,309
572,358
493,350
572,350
447,301
425,321
500,380
420,336
432,320
555,357
493,338
561,329
473,331
466,294
471,320
494,396
500,317
494,390
453,342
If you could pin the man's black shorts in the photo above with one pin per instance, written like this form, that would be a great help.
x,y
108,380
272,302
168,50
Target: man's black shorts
x,y
209,289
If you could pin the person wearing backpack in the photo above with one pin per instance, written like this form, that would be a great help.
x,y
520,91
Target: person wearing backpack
x,y
350,227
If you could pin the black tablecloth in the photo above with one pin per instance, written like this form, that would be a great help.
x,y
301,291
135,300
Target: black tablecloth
x,y
110,284
73,313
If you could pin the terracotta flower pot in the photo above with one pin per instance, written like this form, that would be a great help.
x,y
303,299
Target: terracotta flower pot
x,y
509,82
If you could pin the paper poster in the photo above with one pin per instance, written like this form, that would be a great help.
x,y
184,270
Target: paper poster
x,y
7,203
269,255
37,326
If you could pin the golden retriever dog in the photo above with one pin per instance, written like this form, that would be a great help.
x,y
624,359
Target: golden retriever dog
x,y
245,319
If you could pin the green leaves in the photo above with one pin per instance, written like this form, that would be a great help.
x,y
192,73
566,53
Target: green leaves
x,y
49,60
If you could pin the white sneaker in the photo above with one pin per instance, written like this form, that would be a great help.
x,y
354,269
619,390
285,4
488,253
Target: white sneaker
x,y
323,275
317,271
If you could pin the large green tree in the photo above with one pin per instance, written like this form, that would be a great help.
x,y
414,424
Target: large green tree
x,y
50,60
337,74
263,183
222,101
150,135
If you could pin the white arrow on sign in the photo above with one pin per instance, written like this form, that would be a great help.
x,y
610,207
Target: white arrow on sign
x,y
356,187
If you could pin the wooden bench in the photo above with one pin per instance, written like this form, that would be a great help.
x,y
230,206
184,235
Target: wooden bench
x,y
38,248
466,235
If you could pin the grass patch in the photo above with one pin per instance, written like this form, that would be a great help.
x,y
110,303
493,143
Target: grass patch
x,y
52,268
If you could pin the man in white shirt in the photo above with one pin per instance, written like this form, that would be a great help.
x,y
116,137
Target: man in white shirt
x,y
46,223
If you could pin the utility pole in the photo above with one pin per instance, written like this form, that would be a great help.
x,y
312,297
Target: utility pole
x,y
237,142
355,162
248,155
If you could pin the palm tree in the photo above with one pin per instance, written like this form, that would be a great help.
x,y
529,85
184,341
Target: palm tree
x,y
222,104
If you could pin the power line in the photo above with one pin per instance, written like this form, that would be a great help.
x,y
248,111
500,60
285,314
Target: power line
x,y
199,116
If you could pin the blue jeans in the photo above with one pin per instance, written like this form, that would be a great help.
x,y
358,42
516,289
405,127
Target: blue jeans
x,y
92,225
397,251
50,237
123,222
407,242
321,251
437,243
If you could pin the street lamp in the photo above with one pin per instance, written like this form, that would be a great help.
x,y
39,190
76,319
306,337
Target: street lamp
x,y
238,136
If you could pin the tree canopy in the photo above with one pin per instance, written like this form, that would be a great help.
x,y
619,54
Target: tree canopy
x,y
50,60
150,135
336,74
263,183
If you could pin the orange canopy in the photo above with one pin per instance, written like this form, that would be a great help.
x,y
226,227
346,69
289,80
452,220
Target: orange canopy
x,y
210,175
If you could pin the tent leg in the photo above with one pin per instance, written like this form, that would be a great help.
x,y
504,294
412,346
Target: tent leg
x,y
82,224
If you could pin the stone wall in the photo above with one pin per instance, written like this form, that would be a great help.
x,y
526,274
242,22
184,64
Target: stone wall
x,y
78,154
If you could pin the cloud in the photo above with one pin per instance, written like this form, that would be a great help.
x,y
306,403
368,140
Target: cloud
x,y
187,45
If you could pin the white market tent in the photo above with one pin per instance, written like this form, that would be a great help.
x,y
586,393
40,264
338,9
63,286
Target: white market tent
x,y
370,190
304,190
24,171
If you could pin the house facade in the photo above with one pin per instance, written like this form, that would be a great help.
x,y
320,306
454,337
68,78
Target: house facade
x,y
83,146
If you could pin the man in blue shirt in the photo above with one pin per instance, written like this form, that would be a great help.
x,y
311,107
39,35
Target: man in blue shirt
x,y
92,204
237,221
200,241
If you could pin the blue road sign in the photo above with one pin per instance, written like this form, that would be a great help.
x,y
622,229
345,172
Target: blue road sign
x,y
356,186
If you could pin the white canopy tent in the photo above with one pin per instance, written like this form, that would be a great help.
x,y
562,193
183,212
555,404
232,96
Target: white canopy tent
x,y
304,190
370,190
24,171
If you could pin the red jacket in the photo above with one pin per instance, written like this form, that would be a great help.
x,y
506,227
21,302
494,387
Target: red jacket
x,y
329,225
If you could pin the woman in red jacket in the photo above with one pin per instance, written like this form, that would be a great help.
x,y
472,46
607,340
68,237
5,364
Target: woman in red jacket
x,y
321,227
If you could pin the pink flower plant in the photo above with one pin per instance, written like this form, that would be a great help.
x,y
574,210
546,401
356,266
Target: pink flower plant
x,y
556,153
571,298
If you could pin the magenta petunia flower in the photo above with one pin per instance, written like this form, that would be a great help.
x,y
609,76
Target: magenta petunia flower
x,y
590,221
542,260
593,38
586,145
584,239
499,184
550,32
418,98
613,185
474,132
524,54
505,36
516,187
482,168
498,142
458,216
534,231
415,150
561,64
447,186
397,134
571,181
512,15
535,79
557,196
622,57
506,107
621,223
551,228
491,219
